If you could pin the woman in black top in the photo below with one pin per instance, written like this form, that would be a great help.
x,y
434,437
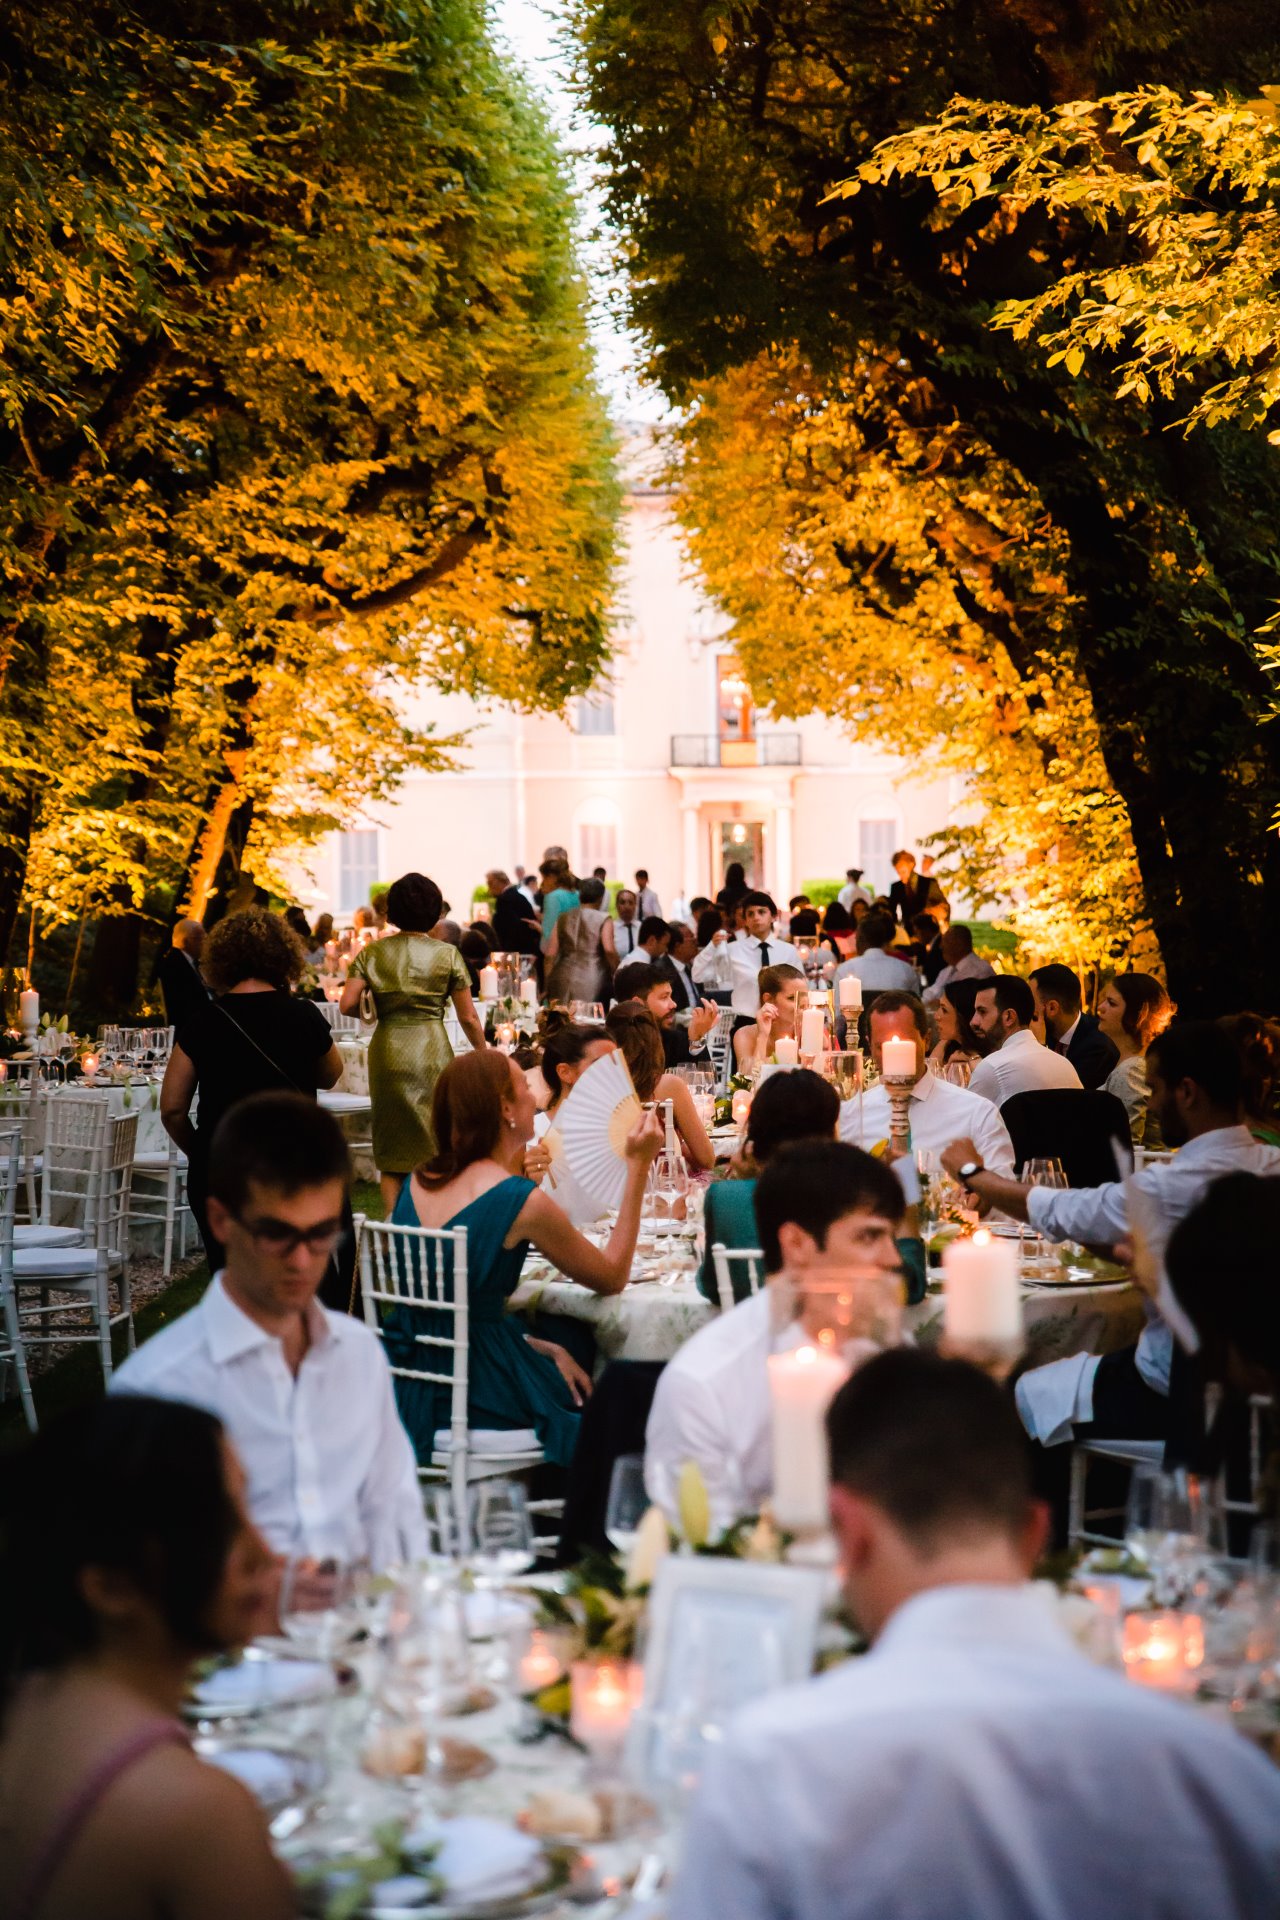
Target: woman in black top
x,y
253,1036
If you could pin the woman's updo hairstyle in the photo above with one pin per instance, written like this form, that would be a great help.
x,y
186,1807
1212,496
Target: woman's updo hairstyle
x,y
414,903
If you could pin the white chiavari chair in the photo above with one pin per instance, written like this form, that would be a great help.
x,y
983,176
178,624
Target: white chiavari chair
x,y
719,1048
13,1351
159,1197
22,1100
750,1264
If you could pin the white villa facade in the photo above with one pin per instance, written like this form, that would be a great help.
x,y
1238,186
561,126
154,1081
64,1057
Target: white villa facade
x,y
667,767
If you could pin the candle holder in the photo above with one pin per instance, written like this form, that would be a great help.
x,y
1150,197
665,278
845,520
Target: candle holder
x,y
1164,1650
603,1694
899,1088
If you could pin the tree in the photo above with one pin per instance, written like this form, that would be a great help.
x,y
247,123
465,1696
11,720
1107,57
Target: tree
x,y
730,132
298,408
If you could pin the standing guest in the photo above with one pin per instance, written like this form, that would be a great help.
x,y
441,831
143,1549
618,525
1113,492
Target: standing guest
x,y
776,1019
655,936
802,917
1132,1011
559,893
1257,1041
254,1036
637,1028
735,886
879,970
676,963
733,965
626,931
648,904
960,962
974,1765
304,1393
181,982
411,977
852,890
681,1045
699,905
1066,1028
477,951
710,923
1004,1011
581,956
936,1108
516,926
128,1556
484,1115
912,893
601,874
958,1044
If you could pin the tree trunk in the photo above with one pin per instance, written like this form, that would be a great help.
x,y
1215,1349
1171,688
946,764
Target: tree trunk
x,y
112,985
16,820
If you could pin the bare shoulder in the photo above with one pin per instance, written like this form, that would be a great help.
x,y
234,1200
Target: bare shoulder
x,y
205,1837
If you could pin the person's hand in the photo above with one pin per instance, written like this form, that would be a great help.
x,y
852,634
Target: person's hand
x,y
766,1015
702,1019
537,1161
574,1377
719,937
959,1154
644,1142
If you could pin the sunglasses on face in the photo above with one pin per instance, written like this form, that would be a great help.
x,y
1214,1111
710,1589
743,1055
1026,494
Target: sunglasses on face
x,y
278,1238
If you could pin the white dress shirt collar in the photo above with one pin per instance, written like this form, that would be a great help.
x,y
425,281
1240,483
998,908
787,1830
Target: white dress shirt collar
x,y
1069,1035
231,1331
976,1613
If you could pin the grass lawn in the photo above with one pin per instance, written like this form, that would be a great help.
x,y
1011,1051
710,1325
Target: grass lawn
x,y
79,1376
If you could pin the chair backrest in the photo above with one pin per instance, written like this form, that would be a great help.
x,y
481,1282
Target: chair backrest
x,y
22,1103
422,1273
1071,1124
115,1189
718,1043
749,1261
10,1158
76,1130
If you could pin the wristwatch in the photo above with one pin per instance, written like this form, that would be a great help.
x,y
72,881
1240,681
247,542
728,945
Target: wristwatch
x,y
965,1173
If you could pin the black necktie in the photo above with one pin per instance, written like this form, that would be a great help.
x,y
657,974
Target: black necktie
x,y
764,953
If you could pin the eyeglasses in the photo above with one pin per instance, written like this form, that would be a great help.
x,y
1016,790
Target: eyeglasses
x,y
276,1237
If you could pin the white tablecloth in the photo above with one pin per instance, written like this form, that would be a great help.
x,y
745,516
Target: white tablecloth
x,y
649,1320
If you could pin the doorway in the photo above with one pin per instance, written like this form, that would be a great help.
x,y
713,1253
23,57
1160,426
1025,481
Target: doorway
x,y
743,841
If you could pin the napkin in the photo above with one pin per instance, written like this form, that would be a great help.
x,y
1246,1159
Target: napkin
x,y
479,1859
262,1683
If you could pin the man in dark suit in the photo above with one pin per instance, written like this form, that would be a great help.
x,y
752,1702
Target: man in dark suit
x,y
514,921
675,964
912,893
185,992
681,1045
1067,1030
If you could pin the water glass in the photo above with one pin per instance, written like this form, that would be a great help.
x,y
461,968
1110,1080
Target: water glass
x,y
1174,1525
587,1013
501,1531
628,1501
319,1604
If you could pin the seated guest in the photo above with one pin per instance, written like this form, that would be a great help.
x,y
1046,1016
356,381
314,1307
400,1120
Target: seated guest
x,y
483,1114
789,1106
1257,1041
733,965
821,1207
128,1556
960,962
677,962
878,970
1219,1264
802,917
1066,1029
1016,1062
567,1054
709,923
639,1036
839,936
927,937
958,1044
1132,1010
938,1110
974,1764
681,1044
775,1018
304,1393
181,982
655,936
1194,1076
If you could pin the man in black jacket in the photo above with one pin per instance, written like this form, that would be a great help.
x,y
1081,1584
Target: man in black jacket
x,y
184,990
1067,1030
514,922
680,1045
912,893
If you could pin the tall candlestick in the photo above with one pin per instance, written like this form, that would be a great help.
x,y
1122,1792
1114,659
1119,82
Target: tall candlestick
x,y
983,1301
801,1386
786,1052
813,1026
488,983
850,992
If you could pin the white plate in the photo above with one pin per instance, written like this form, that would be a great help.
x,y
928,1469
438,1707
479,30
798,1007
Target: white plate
x,y
259,1683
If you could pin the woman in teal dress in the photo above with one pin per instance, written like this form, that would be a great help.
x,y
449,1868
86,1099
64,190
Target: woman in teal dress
x,y
412,979
483,1115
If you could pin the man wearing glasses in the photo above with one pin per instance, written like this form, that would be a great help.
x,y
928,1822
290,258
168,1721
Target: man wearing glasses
x,y
304,1393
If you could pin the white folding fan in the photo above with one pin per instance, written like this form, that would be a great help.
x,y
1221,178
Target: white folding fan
x,y
598,1113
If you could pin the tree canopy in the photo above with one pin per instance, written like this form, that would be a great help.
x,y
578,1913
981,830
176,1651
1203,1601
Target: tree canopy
x,y
297,408
1071,585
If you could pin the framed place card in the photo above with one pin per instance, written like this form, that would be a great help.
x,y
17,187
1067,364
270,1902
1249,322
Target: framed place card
x,y
721,1634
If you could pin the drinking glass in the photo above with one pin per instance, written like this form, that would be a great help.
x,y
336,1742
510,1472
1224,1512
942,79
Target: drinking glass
x,y
501,1531
445,1540
1174,1526
587,1013
319,1604
1045,1173
957,1073
844,1070
628,1502
668,1188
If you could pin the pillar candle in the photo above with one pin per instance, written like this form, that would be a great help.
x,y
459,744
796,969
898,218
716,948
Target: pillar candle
x,y
29,1009
813,1026
602,1697
786,1052
850,992
529,992
488,983
801,1386
898,1059
983,1301
741,1106
1164,1650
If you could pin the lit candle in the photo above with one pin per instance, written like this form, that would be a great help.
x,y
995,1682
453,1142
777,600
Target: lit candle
x,y
813,1025
983,1301
541,1665
90,1065
529,992
1163,1650
801,1386
488,983
505,1036
850,992
741,1106
898,1059
29,1009
786,1052
602,1697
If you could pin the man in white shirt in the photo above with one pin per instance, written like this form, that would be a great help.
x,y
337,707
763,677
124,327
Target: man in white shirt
x,y
1194,1075
626,925
852,889
1015,1061
939,1112
305,1394
962,963
820,1207
734,966
974,1765
878,970
647,900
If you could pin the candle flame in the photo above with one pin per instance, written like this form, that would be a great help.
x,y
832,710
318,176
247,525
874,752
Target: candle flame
x,y
982,1238
806,1355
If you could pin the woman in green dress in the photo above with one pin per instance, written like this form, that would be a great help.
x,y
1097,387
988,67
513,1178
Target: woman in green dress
x,y
411,977
484,1115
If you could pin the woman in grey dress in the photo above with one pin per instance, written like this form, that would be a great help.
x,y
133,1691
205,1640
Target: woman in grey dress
x,y
581,956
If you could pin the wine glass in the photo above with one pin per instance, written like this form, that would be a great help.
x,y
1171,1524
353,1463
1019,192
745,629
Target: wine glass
x,y
501,1531
628,1501
1045,1172
319,1603
668,1188
1173,1525
844,1070
1042,1172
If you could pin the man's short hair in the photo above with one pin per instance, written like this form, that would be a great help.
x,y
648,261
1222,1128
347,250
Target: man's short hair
x,y
642,873
1202,1051
799,1105
815,1183
925,928
637,980
280,1140
934,1444
876,930
893,1002
624,893
903,853
1058,982
652,927
960,936
758,899
1012,996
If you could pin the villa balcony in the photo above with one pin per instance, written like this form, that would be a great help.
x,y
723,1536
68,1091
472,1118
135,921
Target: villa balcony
x,y
708,750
